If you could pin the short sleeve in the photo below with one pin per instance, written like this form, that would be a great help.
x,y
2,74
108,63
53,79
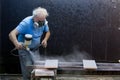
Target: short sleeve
x,y
21,28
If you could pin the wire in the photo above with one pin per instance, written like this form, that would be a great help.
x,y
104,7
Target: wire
x,y
11,52
34,49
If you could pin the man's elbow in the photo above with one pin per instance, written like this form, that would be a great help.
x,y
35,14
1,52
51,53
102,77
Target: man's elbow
x,y
10,34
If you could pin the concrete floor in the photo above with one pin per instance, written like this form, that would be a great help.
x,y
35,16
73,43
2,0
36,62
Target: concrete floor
x,y
91,77
67,77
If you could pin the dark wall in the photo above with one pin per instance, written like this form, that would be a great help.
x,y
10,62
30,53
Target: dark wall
x,y
0,39
79,28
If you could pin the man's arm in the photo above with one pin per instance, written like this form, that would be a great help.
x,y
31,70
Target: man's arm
x,y
13,37
47,35
44,42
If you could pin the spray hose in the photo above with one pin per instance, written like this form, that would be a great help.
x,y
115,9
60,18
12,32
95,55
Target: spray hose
x,y
31,49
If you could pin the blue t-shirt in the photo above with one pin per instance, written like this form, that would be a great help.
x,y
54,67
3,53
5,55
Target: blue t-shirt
x,y
26,26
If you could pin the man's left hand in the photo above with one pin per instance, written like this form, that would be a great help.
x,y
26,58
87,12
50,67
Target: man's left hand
x,y
44,43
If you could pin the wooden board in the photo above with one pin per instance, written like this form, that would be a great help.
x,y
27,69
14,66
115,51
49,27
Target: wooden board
x,y
43,72
89,64
51,64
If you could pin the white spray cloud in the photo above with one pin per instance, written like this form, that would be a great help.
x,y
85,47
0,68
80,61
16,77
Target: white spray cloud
x,y
75,56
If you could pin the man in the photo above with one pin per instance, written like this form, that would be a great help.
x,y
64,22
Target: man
x,y
34,25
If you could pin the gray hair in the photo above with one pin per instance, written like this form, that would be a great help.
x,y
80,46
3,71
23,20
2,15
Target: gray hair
x,y
40,11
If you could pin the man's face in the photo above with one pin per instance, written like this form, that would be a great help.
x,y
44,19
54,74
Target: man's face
x,y
40,20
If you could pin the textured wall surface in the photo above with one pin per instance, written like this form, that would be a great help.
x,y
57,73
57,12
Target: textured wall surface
x,y
80,29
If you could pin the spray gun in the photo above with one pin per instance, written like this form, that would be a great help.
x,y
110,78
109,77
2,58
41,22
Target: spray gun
x,y
27,42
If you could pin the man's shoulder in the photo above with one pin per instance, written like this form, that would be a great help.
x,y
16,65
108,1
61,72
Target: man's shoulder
x,y
26,21
28,18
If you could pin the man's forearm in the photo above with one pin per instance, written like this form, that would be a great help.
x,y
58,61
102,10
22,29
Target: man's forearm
x,y
12,37
47,35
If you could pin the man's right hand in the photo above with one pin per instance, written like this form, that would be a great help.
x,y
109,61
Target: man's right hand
x,y
19,45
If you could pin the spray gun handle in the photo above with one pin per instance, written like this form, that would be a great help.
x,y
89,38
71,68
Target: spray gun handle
x,y
26,47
